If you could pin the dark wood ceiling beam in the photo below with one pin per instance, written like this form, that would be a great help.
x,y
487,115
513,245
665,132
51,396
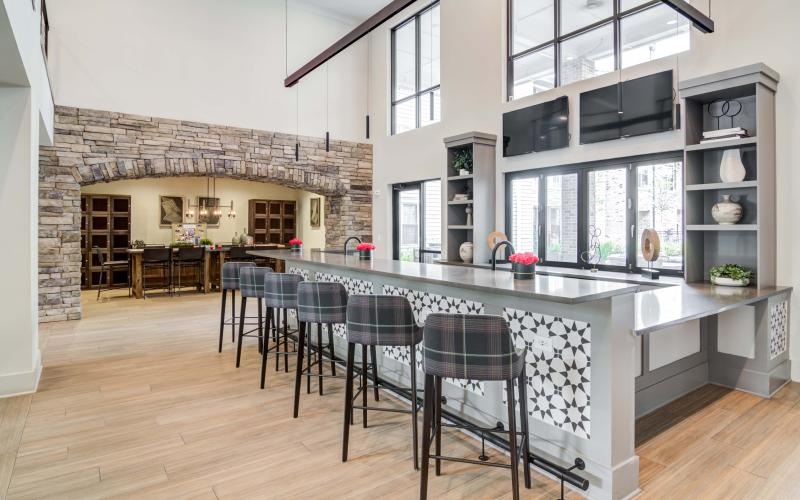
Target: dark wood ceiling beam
x,y
380,17
700,20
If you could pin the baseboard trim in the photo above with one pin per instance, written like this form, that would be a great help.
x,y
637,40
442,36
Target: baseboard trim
x,y
17,384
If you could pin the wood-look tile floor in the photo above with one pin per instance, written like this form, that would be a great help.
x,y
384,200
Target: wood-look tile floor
x,y
135,401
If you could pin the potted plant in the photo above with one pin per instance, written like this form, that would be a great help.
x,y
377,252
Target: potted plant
x,y
730,275
462,161
296,244
365,250
205,242
523,265
138,244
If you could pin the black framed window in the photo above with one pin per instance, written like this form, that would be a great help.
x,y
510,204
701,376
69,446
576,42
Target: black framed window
x,y
557,42
562,212
416,95
417,220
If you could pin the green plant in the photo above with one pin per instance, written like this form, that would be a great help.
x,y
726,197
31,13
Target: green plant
x,y
180,244
732,271
608,248
206,241
138,244
462,160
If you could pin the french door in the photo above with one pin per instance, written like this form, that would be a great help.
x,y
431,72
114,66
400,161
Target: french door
x,y
417,221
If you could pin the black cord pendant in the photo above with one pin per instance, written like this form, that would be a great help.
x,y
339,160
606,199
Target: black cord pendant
x,y
367,126
327,141
296,151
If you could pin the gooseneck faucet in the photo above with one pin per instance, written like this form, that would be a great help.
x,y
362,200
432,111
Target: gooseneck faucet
x,y
348,241
497,247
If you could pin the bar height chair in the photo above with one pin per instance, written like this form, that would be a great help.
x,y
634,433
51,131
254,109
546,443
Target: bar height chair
x,y
192,257
251,284
280,296
474,347
107,268
157,258
379,320
230,281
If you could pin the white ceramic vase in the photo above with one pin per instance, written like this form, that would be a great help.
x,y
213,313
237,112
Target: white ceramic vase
x,y
731,169
726,212
465,251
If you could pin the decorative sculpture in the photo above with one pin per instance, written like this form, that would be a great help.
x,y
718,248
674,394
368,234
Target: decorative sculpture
x,y
591,256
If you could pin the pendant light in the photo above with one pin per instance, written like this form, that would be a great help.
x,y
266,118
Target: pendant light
x,y
369,61
297,87
327,110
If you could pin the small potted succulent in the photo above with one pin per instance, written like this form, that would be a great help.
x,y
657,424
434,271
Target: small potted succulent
x,y
365,250
523,265
296,244
730,275
207,243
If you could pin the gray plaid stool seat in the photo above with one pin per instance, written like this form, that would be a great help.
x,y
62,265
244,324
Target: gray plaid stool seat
x,y
280,296
230,281
480,348
323,303
251,284
378,320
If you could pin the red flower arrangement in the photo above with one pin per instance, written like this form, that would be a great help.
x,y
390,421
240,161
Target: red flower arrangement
x,y
365,246
295,241
525,258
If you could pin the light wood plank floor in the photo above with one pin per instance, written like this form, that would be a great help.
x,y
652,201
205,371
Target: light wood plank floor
x,y
134,401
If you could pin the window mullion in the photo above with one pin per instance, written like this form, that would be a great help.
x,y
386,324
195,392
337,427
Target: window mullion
x,y
542,237
417,64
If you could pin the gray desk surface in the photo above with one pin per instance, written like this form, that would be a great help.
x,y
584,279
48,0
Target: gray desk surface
x,y
550,288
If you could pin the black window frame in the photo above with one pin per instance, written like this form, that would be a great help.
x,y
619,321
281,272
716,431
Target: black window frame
x,y
406,186
417,64
616,18
582,170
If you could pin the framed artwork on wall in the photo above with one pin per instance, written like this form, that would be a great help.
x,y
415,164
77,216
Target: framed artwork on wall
x,y
212,215
316,213
171,210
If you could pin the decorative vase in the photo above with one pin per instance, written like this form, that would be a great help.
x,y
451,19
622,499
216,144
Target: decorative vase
x,y
235,240
465,251
463,171
731,169
468,210
297,248
722,281
523,271
243,239
726,212
365,254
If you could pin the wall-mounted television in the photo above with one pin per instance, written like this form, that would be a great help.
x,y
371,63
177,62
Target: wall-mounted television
x,y
635,107
536,128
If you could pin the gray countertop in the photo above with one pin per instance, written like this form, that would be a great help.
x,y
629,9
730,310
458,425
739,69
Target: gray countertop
x,y
667,306
550,288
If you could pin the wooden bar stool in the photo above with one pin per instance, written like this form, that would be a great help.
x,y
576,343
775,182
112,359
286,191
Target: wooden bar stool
x,y
251,284
191,257
379,320
230,281
280,295
473,347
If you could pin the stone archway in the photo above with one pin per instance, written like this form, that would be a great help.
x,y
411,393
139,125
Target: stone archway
x,y
93,146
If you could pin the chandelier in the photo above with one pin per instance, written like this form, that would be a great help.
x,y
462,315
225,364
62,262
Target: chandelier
x,y
210,205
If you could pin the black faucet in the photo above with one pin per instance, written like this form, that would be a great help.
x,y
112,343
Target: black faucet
x,y
348,241
496,247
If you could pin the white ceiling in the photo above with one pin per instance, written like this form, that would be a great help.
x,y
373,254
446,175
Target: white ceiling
x,y
348,10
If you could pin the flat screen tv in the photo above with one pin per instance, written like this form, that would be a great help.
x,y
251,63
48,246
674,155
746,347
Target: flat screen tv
x,y
536,128
635,107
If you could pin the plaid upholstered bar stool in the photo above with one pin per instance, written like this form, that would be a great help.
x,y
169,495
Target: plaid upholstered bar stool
x,y
230,282
379,320
280,296
251,284
479,348
320,303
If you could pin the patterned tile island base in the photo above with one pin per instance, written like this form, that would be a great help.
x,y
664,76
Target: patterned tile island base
x,y
353,286
559,368
778,329
423,304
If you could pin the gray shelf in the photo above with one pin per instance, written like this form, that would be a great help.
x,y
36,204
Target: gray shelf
x,y
461,177
730,144
722,227
460,202
469,228
714,186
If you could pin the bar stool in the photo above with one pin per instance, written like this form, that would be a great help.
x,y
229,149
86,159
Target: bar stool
x,y
192,257
475,347
323,303
239,254
280,295
251,284
230,281
107,268
379,320
157,258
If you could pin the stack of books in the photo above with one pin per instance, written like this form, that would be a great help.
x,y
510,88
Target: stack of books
x,y
725,134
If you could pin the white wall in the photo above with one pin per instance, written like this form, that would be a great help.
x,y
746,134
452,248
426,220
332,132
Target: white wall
x,y
473,83
220,62
145,209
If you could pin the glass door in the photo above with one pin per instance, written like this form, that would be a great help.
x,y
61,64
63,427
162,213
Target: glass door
x,y
417,221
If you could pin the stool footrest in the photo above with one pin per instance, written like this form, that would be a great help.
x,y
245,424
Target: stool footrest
x,y
375,408
468,461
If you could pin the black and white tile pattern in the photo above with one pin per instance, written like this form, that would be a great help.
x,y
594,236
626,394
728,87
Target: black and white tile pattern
x,y
778,328
423,304
353,286
559,378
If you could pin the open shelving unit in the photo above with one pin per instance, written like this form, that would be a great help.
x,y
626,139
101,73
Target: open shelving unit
x,y
751,242
481,186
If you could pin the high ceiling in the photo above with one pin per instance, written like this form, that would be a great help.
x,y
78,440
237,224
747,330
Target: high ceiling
x,y
349,10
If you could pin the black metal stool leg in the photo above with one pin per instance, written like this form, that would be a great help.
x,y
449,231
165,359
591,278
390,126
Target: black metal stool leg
x,y
278,337
414,405
523,415
438,403
364,382
299,371
260,325
331,348
427,417
233,316
374,355
512,439
241,332
348,398
308,360
265,355
319,357
222,318
285,341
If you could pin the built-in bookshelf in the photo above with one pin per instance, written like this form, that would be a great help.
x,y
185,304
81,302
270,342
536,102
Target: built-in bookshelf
x,y
751,242
479,188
